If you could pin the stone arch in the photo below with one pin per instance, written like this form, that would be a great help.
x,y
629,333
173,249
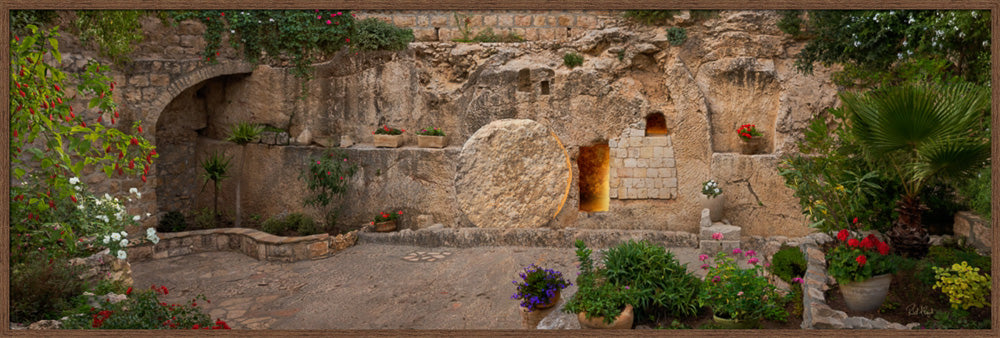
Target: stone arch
x,y
180,83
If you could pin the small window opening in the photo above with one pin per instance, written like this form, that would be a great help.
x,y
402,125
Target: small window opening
x,y
545,87
524,80
656,124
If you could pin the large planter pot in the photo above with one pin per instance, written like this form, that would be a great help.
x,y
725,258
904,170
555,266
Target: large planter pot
x,y
624,320
385,226
752,146
729,323
387,141
426,141
714,205
867,295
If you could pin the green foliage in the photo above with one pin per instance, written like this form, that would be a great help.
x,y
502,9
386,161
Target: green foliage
x,y
676,36
661,283
326,177
433,131
957,319
878,42
487,35
854,260
245,132
41,288
20,19
963,285
385,130
948,256
572,60
538,286
173,221
834,185
791,23
281,226
651,17
143,310
215,168
205,218
596,295
788,263
710,189
978,193
741,294
115,32
375,34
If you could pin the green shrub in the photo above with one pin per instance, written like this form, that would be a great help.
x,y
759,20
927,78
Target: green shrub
x,y
204,218
572,60
487,35
113,31
42,288
788,263
143,310
650,17
172,222
956,319
977,193
300,223
326,177
677,36
375,34
948,256
791,23
662,284
964,285
596,295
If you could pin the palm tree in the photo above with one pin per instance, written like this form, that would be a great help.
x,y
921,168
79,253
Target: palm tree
x,y
920,134
241,134
215,170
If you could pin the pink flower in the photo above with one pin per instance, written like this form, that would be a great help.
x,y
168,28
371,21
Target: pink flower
x,y
739,293
317,162
737,251
716,279
339,13
704,266
702,257
797,280
717,236
752,260
319,16
328,22
751,253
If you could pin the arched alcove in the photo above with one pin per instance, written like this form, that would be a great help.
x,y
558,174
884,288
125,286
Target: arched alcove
x,y
593,163
656,124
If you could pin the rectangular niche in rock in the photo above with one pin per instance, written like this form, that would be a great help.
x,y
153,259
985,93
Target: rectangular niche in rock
x,y
594,173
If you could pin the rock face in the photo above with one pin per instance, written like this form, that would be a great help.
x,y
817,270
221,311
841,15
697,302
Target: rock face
x,y
512,174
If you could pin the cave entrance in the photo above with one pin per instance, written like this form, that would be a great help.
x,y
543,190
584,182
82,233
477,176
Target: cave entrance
x,y
594,177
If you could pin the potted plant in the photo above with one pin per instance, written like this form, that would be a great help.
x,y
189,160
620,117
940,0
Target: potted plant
x,y
740,298
431,138
712,199
863,269
386,137
539,289
386,222
751,138
599,304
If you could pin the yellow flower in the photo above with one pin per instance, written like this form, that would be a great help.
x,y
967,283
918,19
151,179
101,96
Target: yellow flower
x,y
840,188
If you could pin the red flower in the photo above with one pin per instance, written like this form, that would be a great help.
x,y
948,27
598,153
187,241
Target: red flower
x,y
143,178
842,235
400,212
129,291
883,248
853,242
861,260
164,288
195,327
347,39
57,87
140,129
135,141
73,198
867,243
855,220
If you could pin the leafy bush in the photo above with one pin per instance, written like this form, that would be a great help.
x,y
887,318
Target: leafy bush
x,y
677,36
853,260
788,263
957,319
326,178
596,295
977,193
963,285
742,294
114,32
143,310
375,34
662,285
20,19
42,288
791,23
204,218
948,256
173,221
487,35
650,17
572,60
281,226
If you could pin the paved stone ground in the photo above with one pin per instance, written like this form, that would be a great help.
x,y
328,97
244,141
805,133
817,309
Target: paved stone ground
x,y
368,286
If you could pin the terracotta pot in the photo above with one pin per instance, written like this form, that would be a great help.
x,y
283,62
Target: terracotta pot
x,y
866,295
385,226
714,205
388,141
752,146
624,320
426,141
552,302
728,323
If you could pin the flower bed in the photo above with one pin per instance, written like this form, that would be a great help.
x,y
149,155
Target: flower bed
x,y
253,243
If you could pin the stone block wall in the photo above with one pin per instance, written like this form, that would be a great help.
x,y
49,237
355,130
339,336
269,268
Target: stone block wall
x,y
253,243
431,25
642,167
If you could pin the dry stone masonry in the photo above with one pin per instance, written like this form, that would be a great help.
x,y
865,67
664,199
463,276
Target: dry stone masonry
x,y
642,167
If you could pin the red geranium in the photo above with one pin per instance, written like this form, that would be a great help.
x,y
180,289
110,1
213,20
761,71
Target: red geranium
x,y
861,260
853,242
842,235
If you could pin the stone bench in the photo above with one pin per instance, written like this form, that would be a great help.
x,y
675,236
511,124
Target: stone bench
x,y
253,243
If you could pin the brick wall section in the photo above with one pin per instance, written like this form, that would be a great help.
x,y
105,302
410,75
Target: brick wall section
x,y
530,25
642,167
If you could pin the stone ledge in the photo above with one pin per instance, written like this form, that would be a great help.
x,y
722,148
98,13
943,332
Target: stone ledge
x,y
816,314
541,237
253,243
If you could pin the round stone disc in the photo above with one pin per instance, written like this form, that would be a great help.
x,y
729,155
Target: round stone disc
x,y
512,174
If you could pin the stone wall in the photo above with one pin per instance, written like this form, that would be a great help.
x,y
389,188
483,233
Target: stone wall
x,y
253,243
642,167
430,25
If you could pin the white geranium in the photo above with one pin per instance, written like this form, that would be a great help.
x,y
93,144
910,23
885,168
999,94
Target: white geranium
x,y
74,180
135,218
124,234
123,243
133,190
106,239
154,239
150,231
122,255
116,236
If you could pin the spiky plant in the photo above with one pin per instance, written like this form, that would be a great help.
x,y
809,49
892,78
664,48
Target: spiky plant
x,y
215,169
241,134
920,134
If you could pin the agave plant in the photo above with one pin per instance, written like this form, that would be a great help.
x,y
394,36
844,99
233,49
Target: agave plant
x,y
241,134
920,134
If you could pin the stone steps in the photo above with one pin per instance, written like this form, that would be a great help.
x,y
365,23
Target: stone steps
x,y
731,235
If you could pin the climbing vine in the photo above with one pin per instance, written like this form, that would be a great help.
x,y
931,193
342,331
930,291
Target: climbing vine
x,y
115,32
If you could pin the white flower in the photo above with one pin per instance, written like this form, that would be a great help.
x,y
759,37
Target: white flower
x,y
231,31
135,218
118,216
147,214
150,231
961,35
74,180
106,240
985,43
892,12
79,206
904,42
857,43
717,191
106,196
154,239
77,188
899,56
271,20
124,234
138,195
133,190
123,243
116,236
911,20
122,255
974,14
